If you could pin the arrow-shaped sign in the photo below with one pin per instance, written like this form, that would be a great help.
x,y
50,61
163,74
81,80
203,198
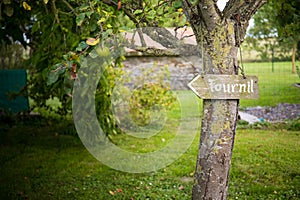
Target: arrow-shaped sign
x,y
225,86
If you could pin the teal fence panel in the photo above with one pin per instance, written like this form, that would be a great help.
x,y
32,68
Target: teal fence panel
x,y
12,81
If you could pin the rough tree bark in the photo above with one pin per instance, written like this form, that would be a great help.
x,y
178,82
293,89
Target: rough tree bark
x,y
219,34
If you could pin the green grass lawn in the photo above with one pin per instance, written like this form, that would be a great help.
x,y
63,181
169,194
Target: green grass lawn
x,y
44,159
41,162
274,87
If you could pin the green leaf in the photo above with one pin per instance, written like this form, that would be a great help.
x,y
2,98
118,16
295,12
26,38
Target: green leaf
x,y
102,20
138,11
83,8
93,54
89,13
177,4
93,27
54,73
52,77
7,1
80,19
151,14
8,10
81,46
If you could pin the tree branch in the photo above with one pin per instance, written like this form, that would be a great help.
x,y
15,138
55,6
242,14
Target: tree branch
x,y
192,15
190,11
210,13
247,11
232,7
241,12
131,17
162,36
68,5
245,8
55,12
202,10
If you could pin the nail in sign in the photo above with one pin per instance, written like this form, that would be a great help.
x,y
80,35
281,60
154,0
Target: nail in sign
x,y
225,86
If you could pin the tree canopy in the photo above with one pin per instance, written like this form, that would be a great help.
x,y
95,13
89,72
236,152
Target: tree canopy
x,y
279,20
58,32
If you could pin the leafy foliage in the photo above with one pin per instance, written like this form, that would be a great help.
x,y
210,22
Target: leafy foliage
x,y
152,96
12,56
277,24
60,32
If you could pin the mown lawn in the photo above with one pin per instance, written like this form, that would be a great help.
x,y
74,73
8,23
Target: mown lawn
x,y
44,159
274,87
42,162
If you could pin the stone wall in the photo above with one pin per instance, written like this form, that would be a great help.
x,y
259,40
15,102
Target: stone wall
x,y
182,69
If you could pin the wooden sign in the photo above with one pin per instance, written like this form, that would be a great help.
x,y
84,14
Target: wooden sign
x,y
225,86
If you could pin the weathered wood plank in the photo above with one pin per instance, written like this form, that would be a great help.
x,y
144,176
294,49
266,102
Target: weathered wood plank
x,y
225,86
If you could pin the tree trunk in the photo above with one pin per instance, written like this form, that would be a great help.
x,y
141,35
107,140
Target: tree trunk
x,y
219,118
294,58
217,138
218,35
